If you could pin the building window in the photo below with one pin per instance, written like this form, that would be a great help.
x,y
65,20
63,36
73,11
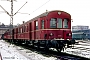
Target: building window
x,y
65,23
53,23
42,24
59,23
36,25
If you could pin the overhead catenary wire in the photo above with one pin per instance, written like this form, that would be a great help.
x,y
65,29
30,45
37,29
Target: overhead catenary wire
x,y
19,9
39,7
2,12
24,13
32,11
5,10
35,9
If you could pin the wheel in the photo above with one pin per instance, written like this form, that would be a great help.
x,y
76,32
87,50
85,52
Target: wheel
x,y
60,47
38,45
46,45
33,43
58,50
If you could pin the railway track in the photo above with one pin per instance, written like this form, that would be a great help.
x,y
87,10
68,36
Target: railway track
x,y
81,49
53,53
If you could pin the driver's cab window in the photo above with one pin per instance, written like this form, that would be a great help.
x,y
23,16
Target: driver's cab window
x,y
65,23
59,23
53,23
36,25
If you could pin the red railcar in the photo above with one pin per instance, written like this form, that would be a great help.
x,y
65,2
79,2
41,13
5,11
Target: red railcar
x,y
51,25
52,29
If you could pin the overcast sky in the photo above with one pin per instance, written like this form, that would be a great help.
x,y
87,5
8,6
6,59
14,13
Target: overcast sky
x,y
79,10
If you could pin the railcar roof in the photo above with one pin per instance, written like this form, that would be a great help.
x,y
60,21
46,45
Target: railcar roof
x,y
41,15
45,14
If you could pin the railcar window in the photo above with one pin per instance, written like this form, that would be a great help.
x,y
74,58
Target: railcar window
x,y
18,30
42,22
25,28
59,23
15,31
36,25
65,23
53,23
21,30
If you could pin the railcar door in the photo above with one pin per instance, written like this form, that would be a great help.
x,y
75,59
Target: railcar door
x,y
36,29
65,27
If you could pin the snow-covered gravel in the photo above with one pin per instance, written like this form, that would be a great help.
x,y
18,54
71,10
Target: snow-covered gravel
x,y
12,52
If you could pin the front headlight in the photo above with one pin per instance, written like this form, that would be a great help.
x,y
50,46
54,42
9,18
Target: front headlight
x,y
51,34
69,34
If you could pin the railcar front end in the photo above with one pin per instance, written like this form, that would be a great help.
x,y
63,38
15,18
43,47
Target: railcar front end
x,y
57,30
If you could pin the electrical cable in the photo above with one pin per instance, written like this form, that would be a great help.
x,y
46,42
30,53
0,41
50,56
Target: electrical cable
x,y
39,7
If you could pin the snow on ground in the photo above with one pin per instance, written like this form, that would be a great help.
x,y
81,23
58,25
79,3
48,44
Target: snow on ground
x,y
12,52
78,52
82,49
